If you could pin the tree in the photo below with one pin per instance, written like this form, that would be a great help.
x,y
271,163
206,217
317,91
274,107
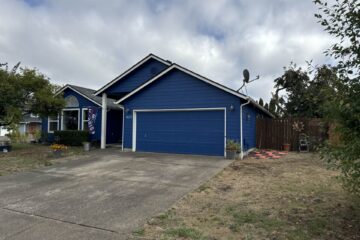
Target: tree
x,y
342,20
272,107
24,91
299,95
266,106
261,102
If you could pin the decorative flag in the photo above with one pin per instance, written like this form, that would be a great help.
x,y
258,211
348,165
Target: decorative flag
x,y
92,113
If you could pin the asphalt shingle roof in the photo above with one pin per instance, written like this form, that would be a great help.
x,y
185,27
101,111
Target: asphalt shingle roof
x,y
89,93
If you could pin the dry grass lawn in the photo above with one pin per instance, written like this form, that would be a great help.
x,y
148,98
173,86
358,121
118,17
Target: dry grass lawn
x,y
295,197
29,156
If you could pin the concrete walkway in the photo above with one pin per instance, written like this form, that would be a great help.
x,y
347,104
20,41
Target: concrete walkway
x,y
105,195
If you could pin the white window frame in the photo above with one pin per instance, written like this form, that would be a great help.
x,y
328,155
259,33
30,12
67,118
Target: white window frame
x,y
82,118
69,109
50,121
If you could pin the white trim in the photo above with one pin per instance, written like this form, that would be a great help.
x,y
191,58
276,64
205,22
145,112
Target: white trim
x,y
134,128
129,71
68,86
82,117
49,121
135,111
68,110
174,66
241,128
103,120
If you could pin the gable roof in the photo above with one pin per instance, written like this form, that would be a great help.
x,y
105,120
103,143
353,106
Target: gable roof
x,y
202,78
89,95
141,62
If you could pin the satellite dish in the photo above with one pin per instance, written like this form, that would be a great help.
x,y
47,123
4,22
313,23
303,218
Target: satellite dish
x,y
246,75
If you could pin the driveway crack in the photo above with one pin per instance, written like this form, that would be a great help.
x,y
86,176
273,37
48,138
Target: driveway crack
x,y
59,220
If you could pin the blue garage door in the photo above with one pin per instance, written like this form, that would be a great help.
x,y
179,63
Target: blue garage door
x,y
185,132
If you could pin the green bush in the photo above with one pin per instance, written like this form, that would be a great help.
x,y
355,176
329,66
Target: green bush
x,y
71,137
17,137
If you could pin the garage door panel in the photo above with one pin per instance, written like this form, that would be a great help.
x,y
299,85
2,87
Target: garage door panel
x,y
192,132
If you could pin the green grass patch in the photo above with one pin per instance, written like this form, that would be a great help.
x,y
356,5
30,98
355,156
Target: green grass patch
x,y
184,232
139,232
260,220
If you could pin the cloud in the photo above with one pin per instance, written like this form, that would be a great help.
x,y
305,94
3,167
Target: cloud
x,y
88,43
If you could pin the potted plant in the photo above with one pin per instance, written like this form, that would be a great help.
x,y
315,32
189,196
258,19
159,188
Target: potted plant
x,y
232,149
286,147
86,146
58,149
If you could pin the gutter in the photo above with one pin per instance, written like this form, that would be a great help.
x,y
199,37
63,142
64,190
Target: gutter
x,y
241,127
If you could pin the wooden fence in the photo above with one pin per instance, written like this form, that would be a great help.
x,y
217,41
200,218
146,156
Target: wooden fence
x,y
273,133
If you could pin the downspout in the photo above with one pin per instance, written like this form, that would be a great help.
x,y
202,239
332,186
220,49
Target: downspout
x,y
241,128
103,120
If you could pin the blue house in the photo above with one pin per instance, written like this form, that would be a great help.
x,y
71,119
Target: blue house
x,y
159,106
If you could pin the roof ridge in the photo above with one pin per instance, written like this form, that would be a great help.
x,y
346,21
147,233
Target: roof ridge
x,y
130,69
81,87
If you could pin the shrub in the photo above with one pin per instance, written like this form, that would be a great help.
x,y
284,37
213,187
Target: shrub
x,y
17,137
232,145
72,137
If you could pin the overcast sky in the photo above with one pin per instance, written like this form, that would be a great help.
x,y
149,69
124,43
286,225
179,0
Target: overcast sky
x,y
89,42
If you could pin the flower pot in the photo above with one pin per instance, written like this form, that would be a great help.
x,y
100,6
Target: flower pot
x,y
231,154
57,153
286,147
86,146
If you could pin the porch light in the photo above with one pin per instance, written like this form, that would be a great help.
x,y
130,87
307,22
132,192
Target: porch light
x,y
231,108
248,116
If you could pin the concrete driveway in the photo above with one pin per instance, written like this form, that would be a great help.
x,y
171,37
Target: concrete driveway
x,y
105,195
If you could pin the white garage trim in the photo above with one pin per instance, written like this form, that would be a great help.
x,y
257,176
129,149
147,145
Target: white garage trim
x,y
135,111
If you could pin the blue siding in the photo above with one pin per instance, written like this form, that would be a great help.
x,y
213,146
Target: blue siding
x,y
143,73
186,132
249,126
114,121
180,90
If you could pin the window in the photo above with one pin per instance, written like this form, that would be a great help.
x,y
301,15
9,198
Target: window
x,y
53,124
70,119
85,119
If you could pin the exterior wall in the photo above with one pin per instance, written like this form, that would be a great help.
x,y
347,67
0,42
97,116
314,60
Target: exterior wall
x,y
83,103
114,121
180,90
148,70
22,128
250,113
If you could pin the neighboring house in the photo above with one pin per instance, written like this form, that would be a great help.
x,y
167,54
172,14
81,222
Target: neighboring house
x,y
29,125
159,106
